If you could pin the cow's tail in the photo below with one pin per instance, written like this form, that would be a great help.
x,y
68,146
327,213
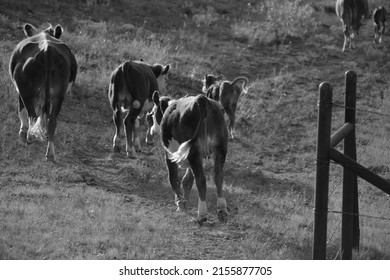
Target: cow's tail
x,y
184,149
125,69
39,128
245,82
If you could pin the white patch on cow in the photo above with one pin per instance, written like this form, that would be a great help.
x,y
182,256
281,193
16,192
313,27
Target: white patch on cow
x,y
202,210
162,83
50,154
155,129
23,116
37,129
204,88
136,104
173,146
125,111
130,152
179,154
221,204
116,141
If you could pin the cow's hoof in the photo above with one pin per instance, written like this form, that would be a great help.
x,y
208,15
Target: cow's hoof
x,y
222,216
23,137
205,223
131,155
117,149
181,206
149,143
50,158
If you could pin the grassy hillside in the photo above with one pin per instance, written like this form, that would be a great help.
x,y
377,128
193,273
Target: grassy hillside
x,y
93,204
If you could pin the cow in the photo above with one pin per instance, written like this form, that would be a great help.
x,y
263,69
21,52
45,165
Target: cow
x,y
227,94
130,92
192,128
41,67
379,18
350,12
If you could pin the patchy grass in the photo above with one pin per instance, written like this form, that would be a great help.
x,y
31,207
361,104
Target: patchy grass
x,y
96,205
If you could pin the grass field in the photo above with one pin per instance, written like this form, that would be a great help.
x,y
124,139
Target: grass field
x,y
92,204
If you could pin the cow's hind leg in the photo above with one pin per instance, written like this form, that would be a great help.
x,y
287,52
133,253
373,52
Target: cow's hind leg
x,y
187,182
175,184
232,120
196,165
346,39
352,41
33,132
219,162
118,121
136,141
129,128
51,127
382,32
23,116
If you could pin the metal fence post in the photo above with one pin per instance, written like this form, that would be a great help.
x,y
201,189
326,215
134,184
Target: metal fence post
x,y
322,172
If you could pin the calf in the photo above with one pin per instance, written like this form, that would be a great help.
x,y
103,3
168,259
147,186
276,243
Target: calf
x,y
227,94
192,128
130,93
379,17
41,67
350,12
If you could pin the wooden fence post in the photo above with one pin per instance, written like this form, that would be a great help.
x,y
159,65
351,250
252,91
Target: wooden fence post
x,y
350,208
322,176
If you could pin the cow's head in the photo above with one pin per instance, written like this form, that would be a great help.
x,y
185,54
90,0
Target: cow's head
x,y
55,32
154,117
210,80
161,73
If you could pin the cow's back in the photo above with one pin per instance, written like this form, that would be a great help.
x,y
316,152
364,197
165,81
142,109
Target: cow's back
x,y
140,80
181,119
30,50
351,11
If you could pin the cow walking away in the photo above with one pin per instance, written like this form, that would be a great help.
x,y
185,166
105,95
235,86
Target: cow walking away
x,y
130,92
227,94
379,18
41,68
192,128
350,12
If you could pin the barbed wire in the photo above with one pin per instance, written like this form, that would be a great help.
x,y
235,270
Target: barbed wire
x,y
362,110
359,215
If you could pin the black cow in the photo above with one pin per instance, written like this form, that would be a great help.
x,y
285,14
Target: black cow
x,y
379,17
350,13
130,93
192,128
226,93
41,67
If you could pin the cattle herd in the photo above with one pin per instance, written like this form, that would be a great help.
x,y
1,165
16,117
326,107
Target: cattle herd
x,y
43,69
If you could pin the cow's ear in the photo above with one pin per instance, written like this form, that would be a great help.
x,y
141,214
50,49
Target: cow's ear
x,y
156,98
29,30
165,70
58,31
220,78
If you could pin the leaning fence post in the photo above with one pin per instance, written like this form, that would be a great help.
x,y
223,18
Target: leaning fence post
x,y
322,172
350,208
